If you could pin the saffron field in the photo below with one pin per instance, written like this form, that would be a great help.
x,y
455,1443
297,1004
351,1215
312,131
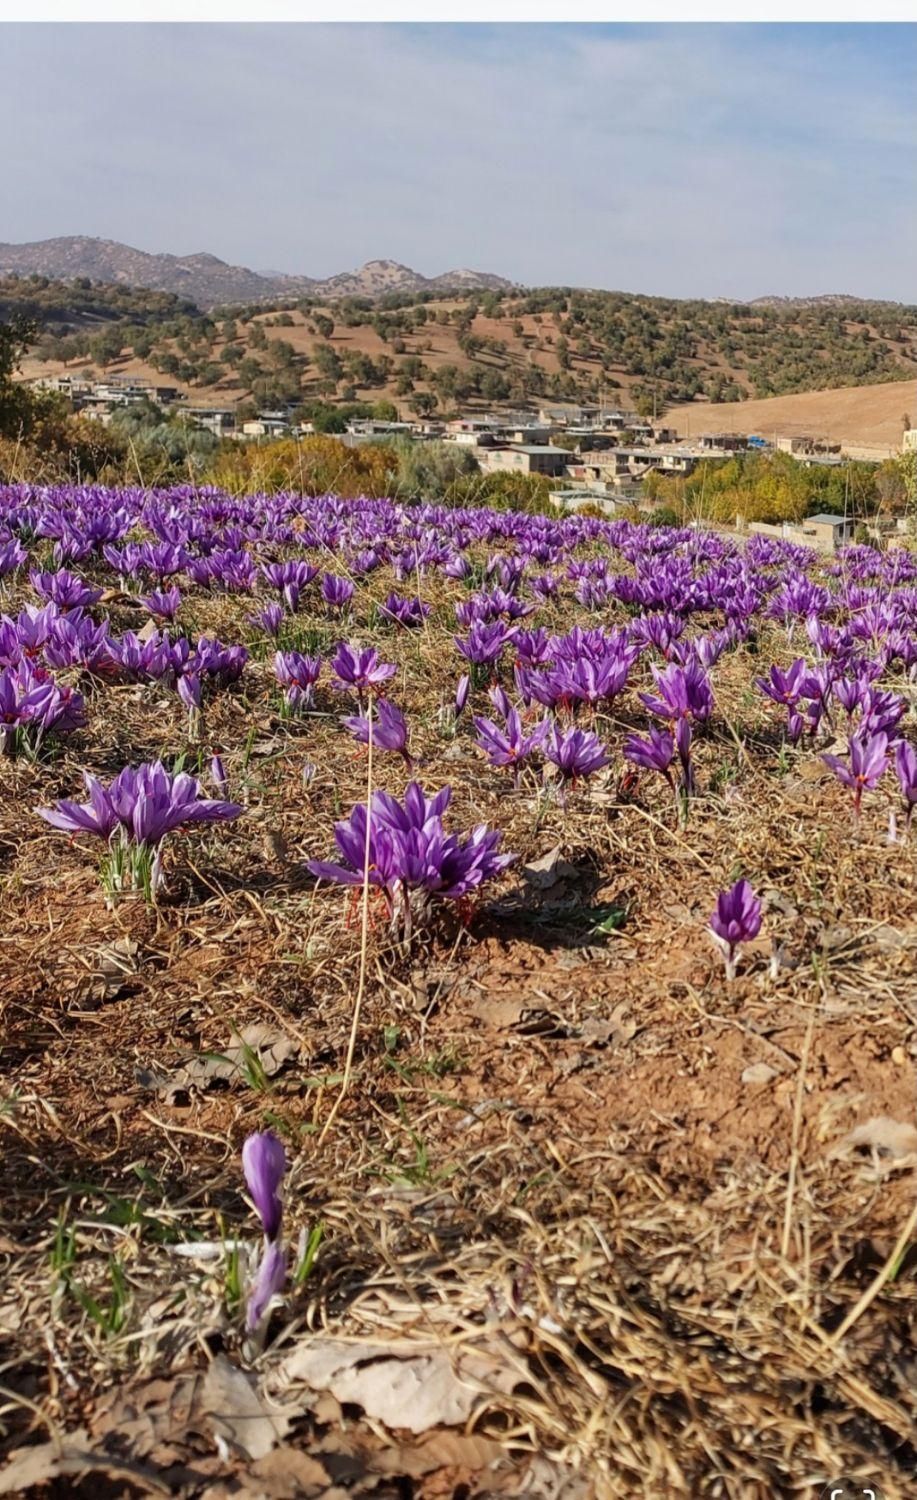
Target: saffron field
x,y
458,1003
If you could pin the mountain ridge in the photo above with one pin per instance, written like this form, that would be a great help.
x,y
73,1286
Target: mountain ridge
x,y
208,281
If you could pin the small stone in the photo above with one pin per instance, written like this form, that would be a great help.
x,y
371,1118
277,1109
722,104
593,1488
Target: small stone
x,y
899,1056
760,1072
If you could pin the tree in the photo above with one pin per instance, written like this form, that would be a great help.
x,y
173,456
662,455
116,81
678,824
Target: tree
x,y
249,372
142,343
17,404
324,325
423,403
328,362
106,346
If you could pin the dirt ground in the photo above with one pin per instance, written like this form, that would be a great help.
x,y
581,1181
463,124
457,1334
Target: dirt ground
x,y
593,1221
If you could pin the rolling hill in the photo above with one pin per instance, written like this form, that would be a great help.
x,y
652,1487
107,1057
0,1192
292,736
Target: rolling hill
x,y
486,349
867,415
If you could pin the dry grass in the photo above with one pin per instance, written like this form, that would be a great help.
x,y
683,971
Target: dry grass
x,y
548,1164
859,415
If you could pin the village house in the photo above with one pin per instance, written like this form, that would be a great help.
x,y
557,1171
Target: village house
x,y
610,505
825,532
371,427
470,429
266,427
529,434
805,445
524,458
626,463
721,443
219,420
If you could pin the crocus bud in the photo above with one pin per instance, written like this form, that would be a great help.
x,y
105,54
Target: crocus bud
x,y
189,690
218,776
461,693
264,1163
268,1283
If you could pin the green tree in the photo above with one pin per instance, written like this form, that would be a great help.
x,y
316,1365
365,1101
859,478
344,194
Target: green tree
x,y
17,404
106,346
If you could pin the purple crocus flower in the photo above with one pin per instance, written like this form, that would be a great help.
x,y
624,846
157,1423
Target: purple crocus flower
x,y
188,688
407,612
360,669
297,674
868,760
411,857
461,693
681,693
32,704
906,770
577,753
268,1283
64,589
784,687
269,619
485,643
264,1164
336,592
163,603
736,920
142,806
77,641
510,746
12,556
218,777
387,726
655,753
222,664
290,578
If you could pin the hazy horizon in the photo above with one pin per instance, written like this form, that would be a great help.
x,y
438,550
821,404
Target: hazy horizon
x,y
687,160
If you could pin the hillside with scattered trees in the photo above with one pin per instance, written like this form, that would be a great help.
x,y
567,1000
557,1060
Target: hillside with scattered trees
x,y
432,354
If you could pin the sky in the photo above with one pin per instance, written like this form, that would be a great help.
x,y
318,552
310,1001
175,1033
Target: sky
x,y
677,160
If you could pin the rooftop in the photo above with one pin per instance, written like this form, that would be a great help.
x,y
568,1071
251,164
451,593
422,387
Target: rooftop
x,y
826,519
528,448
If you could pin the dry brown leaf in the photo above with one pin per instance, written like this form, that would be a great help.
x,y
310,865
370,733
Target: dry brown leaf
x,y
618,1028
285,1474
543,1479
894,1138
38,1465
759,1072
271,1049
401,1383
440,1450
542,873
114,966
150,1420
531,1017
236,1412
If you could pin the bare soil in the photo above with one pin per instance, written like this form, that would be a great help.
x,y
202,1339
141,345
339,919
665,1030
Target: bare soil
x,y
621,1190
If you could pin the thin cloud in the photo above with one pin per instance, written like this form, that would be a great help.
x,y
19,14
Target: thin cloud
x,y
684,160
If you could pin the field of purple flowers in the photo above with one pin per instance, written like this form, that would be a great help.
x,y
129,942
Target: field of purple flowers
x,y
534,902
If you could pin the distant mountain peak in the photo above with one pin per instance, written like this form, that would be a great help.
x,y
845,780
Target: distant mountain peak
x,y
205,279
